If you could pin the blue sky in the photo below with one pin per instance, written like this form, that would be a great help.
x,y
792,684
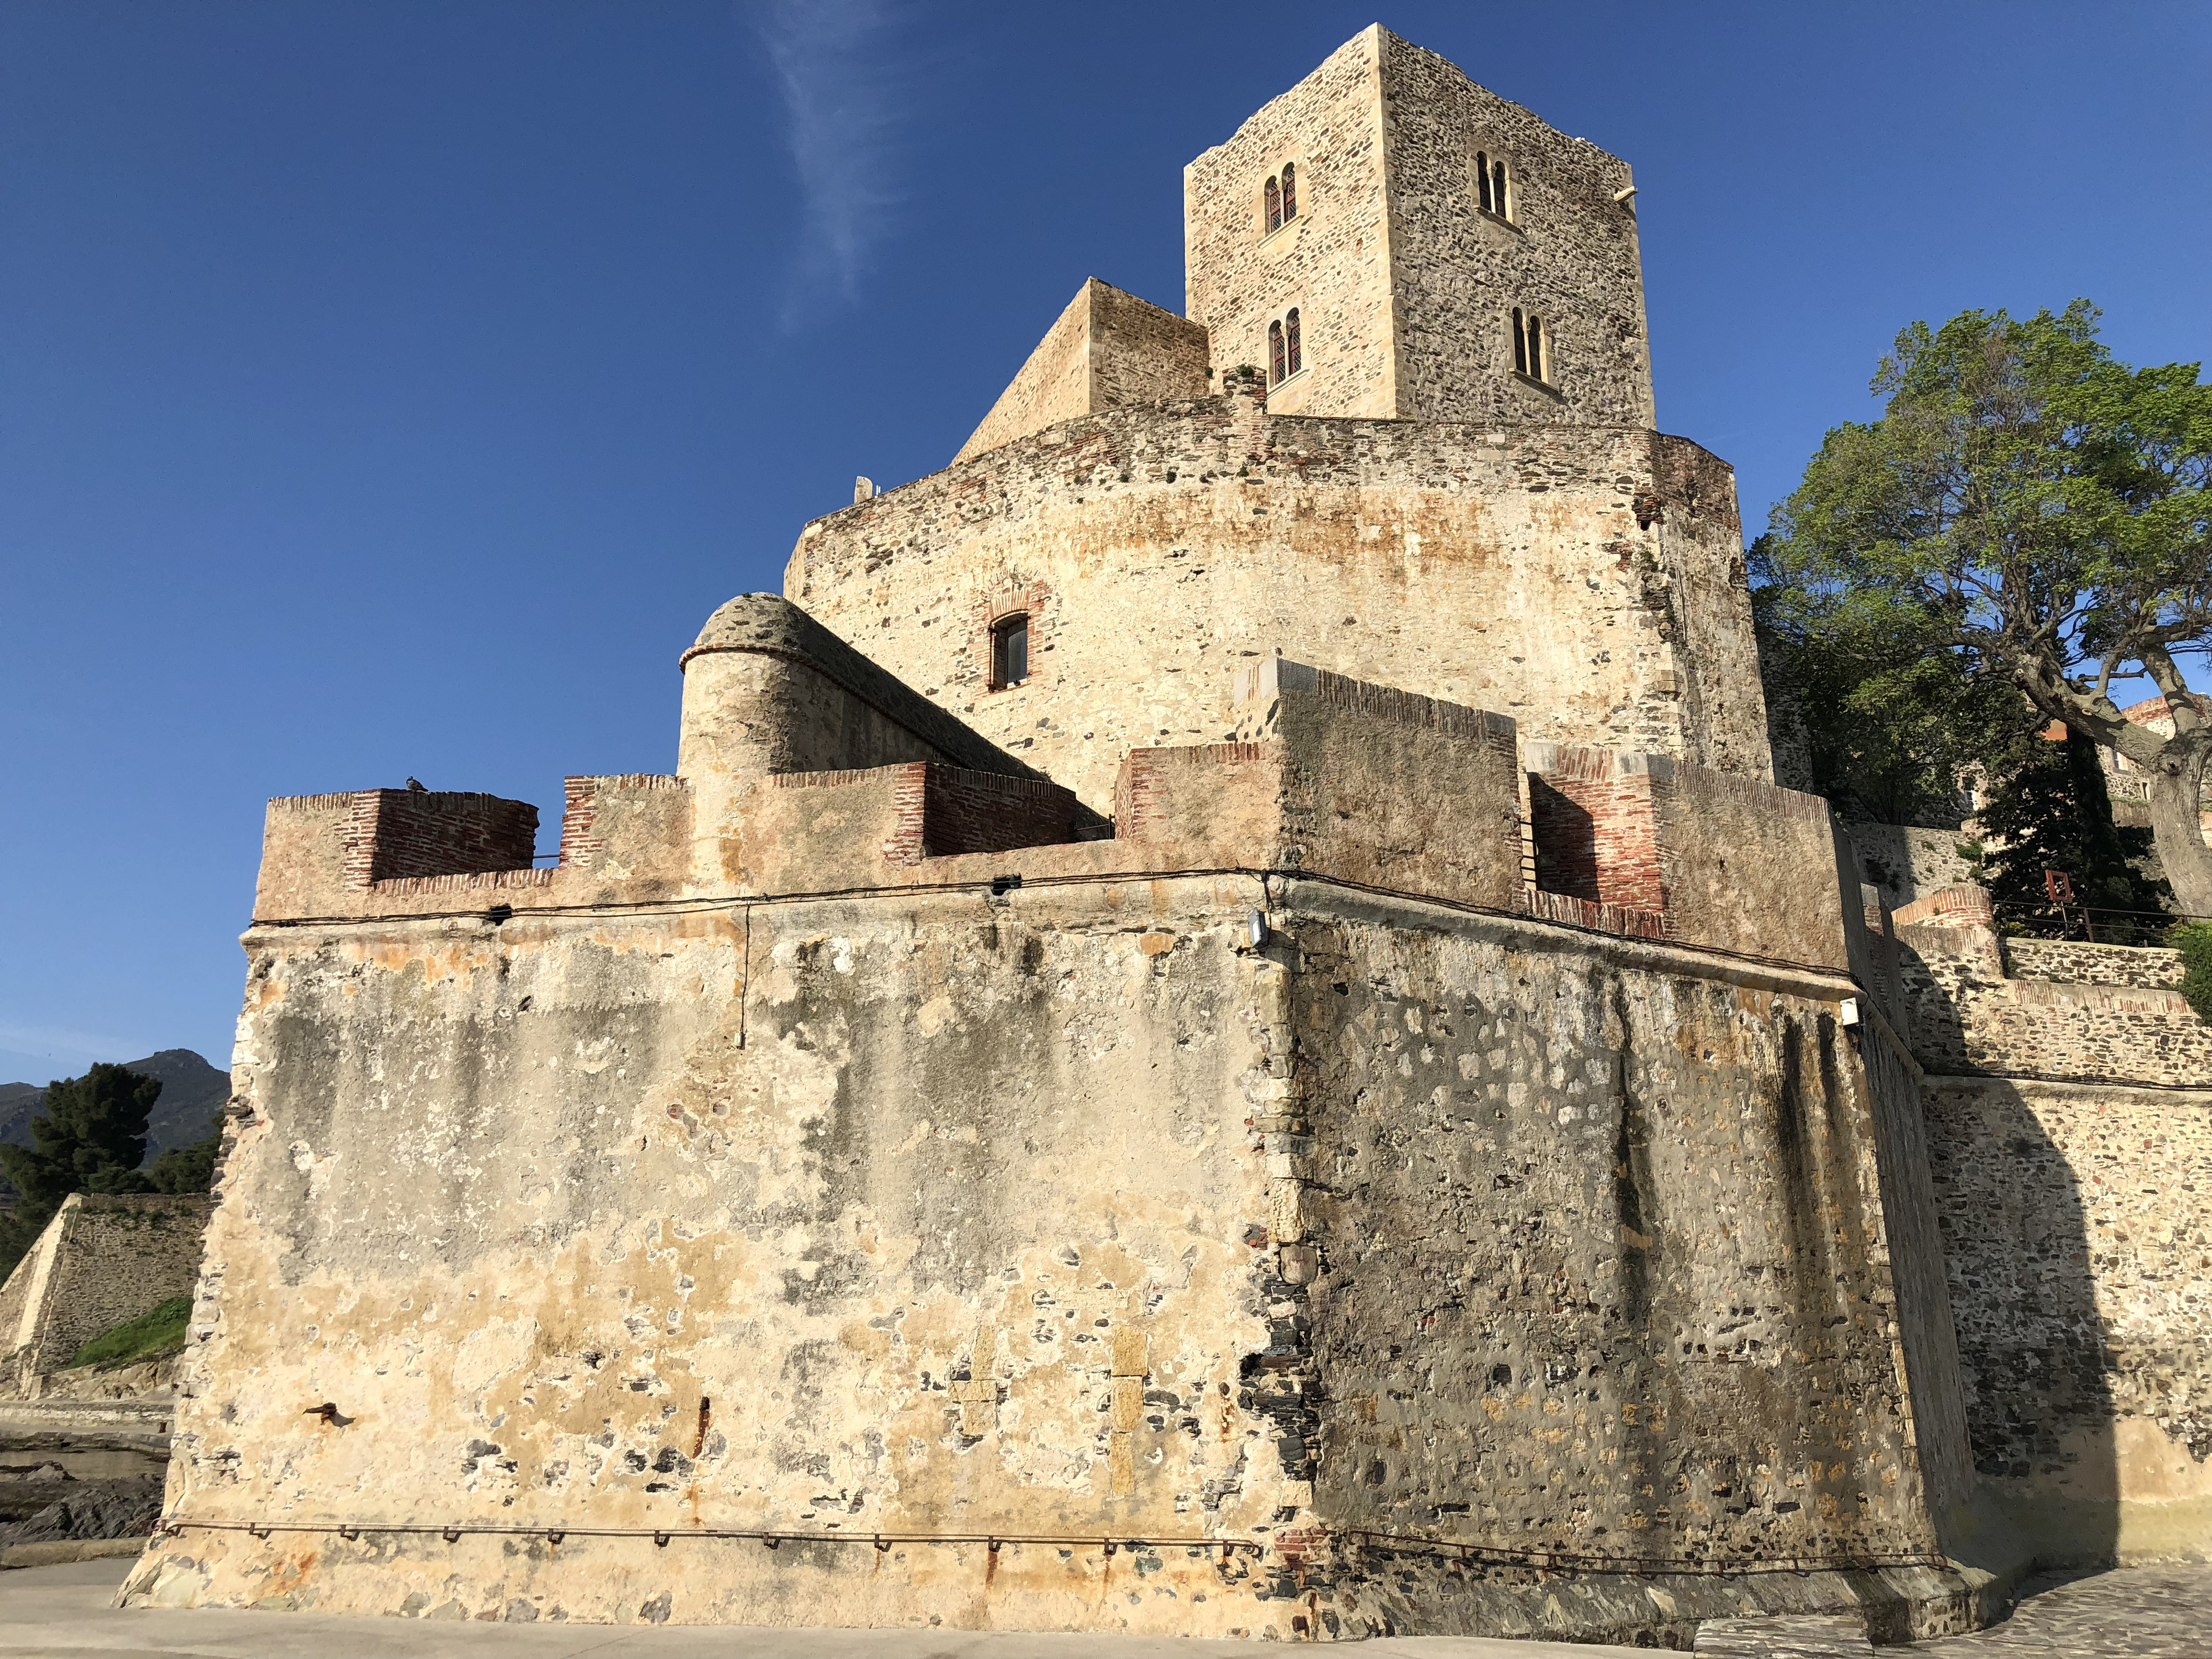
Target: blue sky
x,y
393,387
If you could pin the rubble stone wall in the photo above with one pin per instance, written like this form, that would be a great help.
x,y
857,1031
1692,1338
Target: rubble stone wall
x,y
1568,253
1332,261
2078,1254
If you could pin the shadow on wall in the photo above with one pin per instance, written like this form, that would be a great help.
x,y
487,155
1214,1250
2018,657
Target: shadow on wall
x,y
2032,1346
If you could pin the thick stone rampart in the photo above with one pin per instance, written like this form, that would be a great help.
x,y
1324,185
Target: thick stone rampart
x,y
101,1261
1586,581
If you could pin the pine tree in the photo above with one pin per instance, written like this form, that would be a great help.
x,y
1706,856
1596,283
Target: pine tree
x,y
90,1138
2052,812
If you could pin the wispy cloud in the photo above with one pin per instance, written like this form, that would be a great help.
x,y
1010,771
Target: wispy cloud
x,y
845,101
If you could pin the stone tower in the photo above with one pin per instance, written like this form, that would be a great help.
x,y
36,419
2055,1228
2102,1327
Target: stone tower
x,y
1427,212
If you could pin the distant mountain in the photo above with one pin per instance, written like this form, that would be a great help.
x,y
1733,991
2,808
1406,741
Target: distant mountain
x,y
192,1091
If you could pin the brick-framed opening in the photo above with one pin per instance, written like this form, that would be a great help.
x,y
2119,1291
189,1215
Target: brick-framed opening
x,y
1030,602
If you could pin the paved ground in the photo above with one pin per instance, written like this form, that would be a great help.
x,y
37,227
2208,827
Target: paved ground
x,y
2143,1613
2147,1612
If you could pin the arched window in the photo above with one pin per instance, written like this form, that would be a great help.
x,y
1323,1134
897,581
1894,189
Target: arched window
x,y
1490,184
1010,651
1290,192
1291,354
1275,359
1274,196
1530,344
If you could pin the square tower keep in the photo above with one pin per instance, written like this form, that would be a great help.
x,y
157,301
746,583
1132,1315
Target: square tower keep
x,y
1447,255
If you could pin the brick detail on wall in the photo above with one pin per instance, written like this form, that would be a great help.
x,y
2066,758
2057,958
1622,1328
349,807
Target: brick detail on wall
x,y
580,841
1585,912
1033,600
939,811
1595,826
396,834
1141,792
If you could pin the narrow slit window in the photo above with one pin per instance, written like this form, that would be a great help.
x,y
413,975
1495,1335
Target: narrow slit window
x,y
1535,348
1290,192
1275,358
1010,651
1274,196
1500,203
1291,356
1482,182
1519,343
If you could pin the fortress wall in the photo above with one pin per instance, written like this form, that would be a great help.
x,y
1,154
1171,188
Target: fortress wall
x,y
1332,261
101,1261
592,1224
1569,253
2077,1257
1496,569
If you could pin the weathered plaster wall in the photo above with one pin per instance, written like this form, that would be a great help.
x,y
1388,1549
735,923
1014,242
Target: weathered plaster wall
x,y
101,1260
1107,349
2079,1259
1585,581
577,1224
1332,261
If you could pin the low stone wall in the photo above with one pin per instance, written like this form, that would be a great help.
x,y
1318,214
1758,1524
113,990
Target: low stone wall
x,y
2066,961
1971,1017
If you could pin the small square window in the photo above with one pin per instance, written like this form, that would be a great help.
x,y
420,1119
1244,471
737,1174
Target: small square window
x,y
1010,651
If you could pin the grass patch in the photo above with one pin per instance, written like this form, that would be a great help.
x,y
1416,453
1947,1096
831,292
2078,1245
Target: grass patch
x,y
154,1333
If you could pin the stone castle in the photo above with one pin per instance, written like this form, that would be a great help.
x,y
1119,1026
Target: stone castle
x,y
1221,1031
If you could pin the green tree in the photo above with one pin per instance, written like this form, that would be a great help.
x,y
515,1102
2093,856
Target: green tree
x,y
2040,515
1890,721
2051,812
189,1169
90,1139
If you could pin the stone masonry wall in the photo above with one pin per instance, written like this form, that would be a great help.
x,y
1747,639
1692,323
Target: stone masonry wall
x,y
1568,253
1599,1257
1332,261
1582,580
2074,962
1969,1017
2079,1257
104,1259
1107,349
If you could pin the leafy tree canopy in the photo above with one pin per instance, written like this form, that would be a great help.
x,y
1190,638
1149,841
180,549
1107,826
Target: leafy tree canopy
x,y
2027,514
90,1138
